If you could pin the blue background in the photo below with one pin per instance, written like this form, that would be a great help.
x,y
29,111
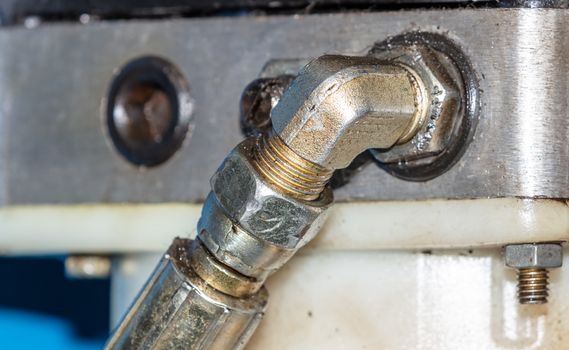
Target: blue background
x,y
40,308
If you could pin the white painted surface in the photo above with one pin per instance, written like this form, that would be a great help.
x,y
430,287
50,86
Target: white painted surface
x,y
397,300
350,226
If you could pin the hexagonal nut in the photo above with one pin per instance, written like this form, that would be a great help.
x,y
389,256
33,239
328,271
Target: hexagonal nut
x,y
443,82
539,255
261,209
237,248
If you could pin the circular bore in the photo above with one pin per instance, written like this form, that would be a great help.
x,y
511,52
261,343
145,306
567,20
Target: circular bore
x,y
423,170
148,111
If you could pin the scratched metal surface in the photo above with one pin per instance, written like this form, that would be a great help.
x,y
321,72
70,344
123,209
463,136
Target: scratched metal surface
x,y
53,80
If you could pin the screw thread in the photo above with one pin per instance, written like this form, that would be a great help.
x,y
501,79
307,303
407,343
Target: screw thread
x,y
532,286
292,174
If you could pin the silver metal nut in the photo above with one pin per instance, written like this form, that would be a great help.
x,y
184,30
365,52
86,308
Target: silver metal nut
x,y
539,255
237,248
262,210
443,81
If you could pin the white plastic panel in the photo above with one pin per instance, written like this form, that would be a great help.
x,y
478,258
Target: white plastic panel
x,y
459,299
363,225
404,300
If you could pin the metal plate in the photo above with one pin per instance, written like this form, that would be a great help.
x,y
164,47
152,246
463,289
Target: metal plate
x,y
53,82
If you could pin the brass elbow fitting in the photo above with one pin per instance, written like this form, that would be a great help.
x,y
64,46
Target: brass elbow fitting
x,y
336,108
339,106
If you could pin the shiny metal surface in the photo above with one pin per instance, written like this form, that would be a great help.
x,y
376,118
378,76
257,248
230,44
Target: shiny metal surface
x,y
454,110
443,107
219,275
293,175
260,208
178,310
520,148
250,224
533,262
440,133
235,247
340,106
533,285
539,255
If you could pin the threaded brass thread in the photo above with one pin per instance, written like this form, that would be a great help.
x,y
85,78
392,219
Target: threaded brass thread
x,y
292,174
532,286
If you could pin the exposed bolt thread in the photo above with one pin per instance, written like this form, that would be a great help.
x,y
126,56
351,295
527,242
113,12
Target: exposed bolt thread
x,y
532,286
294,175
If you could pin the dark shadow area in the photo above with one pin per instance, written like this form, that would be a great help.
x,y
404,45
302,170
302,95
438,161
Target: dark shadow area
x,y
14,11
342,177
39,285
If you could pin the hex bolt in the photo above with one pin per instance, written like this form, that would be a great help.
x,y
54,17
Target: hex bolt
x,y
532,262
148,111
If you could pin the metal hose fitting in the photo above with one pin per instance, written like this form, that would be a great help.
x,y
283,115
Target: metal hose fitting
x,y
269,198
292,174
340,106
177,309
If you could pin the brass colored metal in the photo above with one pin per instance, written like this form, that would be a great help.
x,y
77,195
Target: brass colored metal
x,y
220,276
340,106
292,174
532,286
336,108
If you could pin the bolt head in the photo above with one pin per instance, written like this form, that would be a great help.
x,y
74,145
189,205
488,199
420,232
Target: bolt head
x,y
540,255
442,80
